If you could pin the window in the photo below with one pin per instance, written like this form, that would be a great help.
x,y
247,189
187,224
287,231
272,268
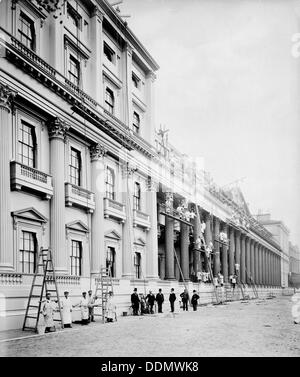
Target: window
x,y
27,144
110,261
137,265
26,31
109,100
74,70
73,16
136,122
109,53
28,247
137,196
135,80
110,183
76,257
75,167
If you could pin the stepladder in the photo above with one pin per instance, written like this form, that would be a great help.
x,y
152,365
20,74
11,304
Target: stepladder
x,y
104,285
43,282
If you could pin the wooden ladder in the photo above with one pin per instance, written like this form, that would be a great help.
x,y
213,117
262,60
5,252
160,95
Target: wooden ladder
x,y
209,259
103,285
253,286
44,276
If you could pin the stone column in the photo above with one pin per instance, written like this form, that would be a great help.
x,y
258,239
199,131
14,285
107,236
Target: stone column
x,y
231,251
252,265
184,250
261,264
208,237
149,131
265,267
57,129
127,231
127,103
152,250
238,252
98,253
243,259
6,239
256,263
197,265
225,257
268,266
248,267
169,241
97,54
217,245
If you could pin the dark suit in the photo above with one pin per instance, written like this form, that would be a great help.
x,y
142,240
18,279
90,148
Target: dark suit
x,y
135,302
185,299
160,299
194,301
172,299
150,299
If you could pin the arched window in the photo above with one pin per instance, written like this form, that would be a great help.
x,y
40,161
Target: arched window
x,y
109,100
110,183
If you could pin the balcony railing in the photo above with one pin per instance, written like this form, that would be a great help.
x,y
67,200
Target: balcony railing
x,y
141,219
22,176
79,197
114,210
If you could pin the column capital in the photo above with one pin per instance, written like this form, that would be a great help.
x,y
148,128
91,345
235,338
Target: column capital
x,y
97,151
57,128
7,96
169,198
127,169
152,76
151,185
97,13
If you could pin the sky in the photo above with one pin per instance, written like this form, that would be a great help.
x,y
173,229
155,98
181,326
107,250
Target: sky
x,y
228,89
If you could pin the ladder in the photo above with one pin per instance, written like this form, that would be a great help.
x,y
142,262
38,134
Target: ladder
x,y
104,285
40,282
253,286
181,273
209,258
239,283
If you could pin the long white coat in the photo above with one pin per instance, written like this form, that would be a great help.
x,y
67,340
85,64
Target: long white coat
x,y
66,310
84,308
48,312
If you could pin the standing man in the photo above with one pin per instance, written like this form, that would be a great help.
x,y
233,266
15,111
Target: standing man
x,y
135,302
150,299
185,298
91,302
66,310
159,299
194,300
172,299
83,304
48,310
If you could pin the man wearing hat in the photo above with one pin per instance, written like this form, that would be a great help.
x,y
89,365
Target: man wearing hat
x,y
135,302
66,310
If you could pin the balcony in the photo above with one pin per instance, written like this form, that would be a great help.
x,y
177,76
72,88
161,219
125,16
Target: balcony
x,y
141,219
79,197
24,177
114,210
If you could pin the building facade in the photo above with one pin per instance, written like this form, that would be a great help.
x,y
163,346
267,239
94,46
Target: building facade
x,y
83,170
294,271
280,234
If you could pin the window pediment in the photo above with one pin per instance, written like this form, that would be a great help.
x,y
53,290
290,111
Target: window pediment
x,y
29,214
78,226
113,234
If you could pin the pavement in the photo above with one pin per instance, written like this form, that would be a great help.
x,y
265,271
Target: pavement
x,y
251,328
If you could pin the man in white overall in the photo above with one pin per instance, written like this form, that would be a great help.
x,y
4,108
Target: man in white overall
x,y
66,310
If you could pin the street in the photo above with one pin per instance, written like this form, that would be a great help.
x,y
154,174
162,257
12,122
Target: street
x,y
254,328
